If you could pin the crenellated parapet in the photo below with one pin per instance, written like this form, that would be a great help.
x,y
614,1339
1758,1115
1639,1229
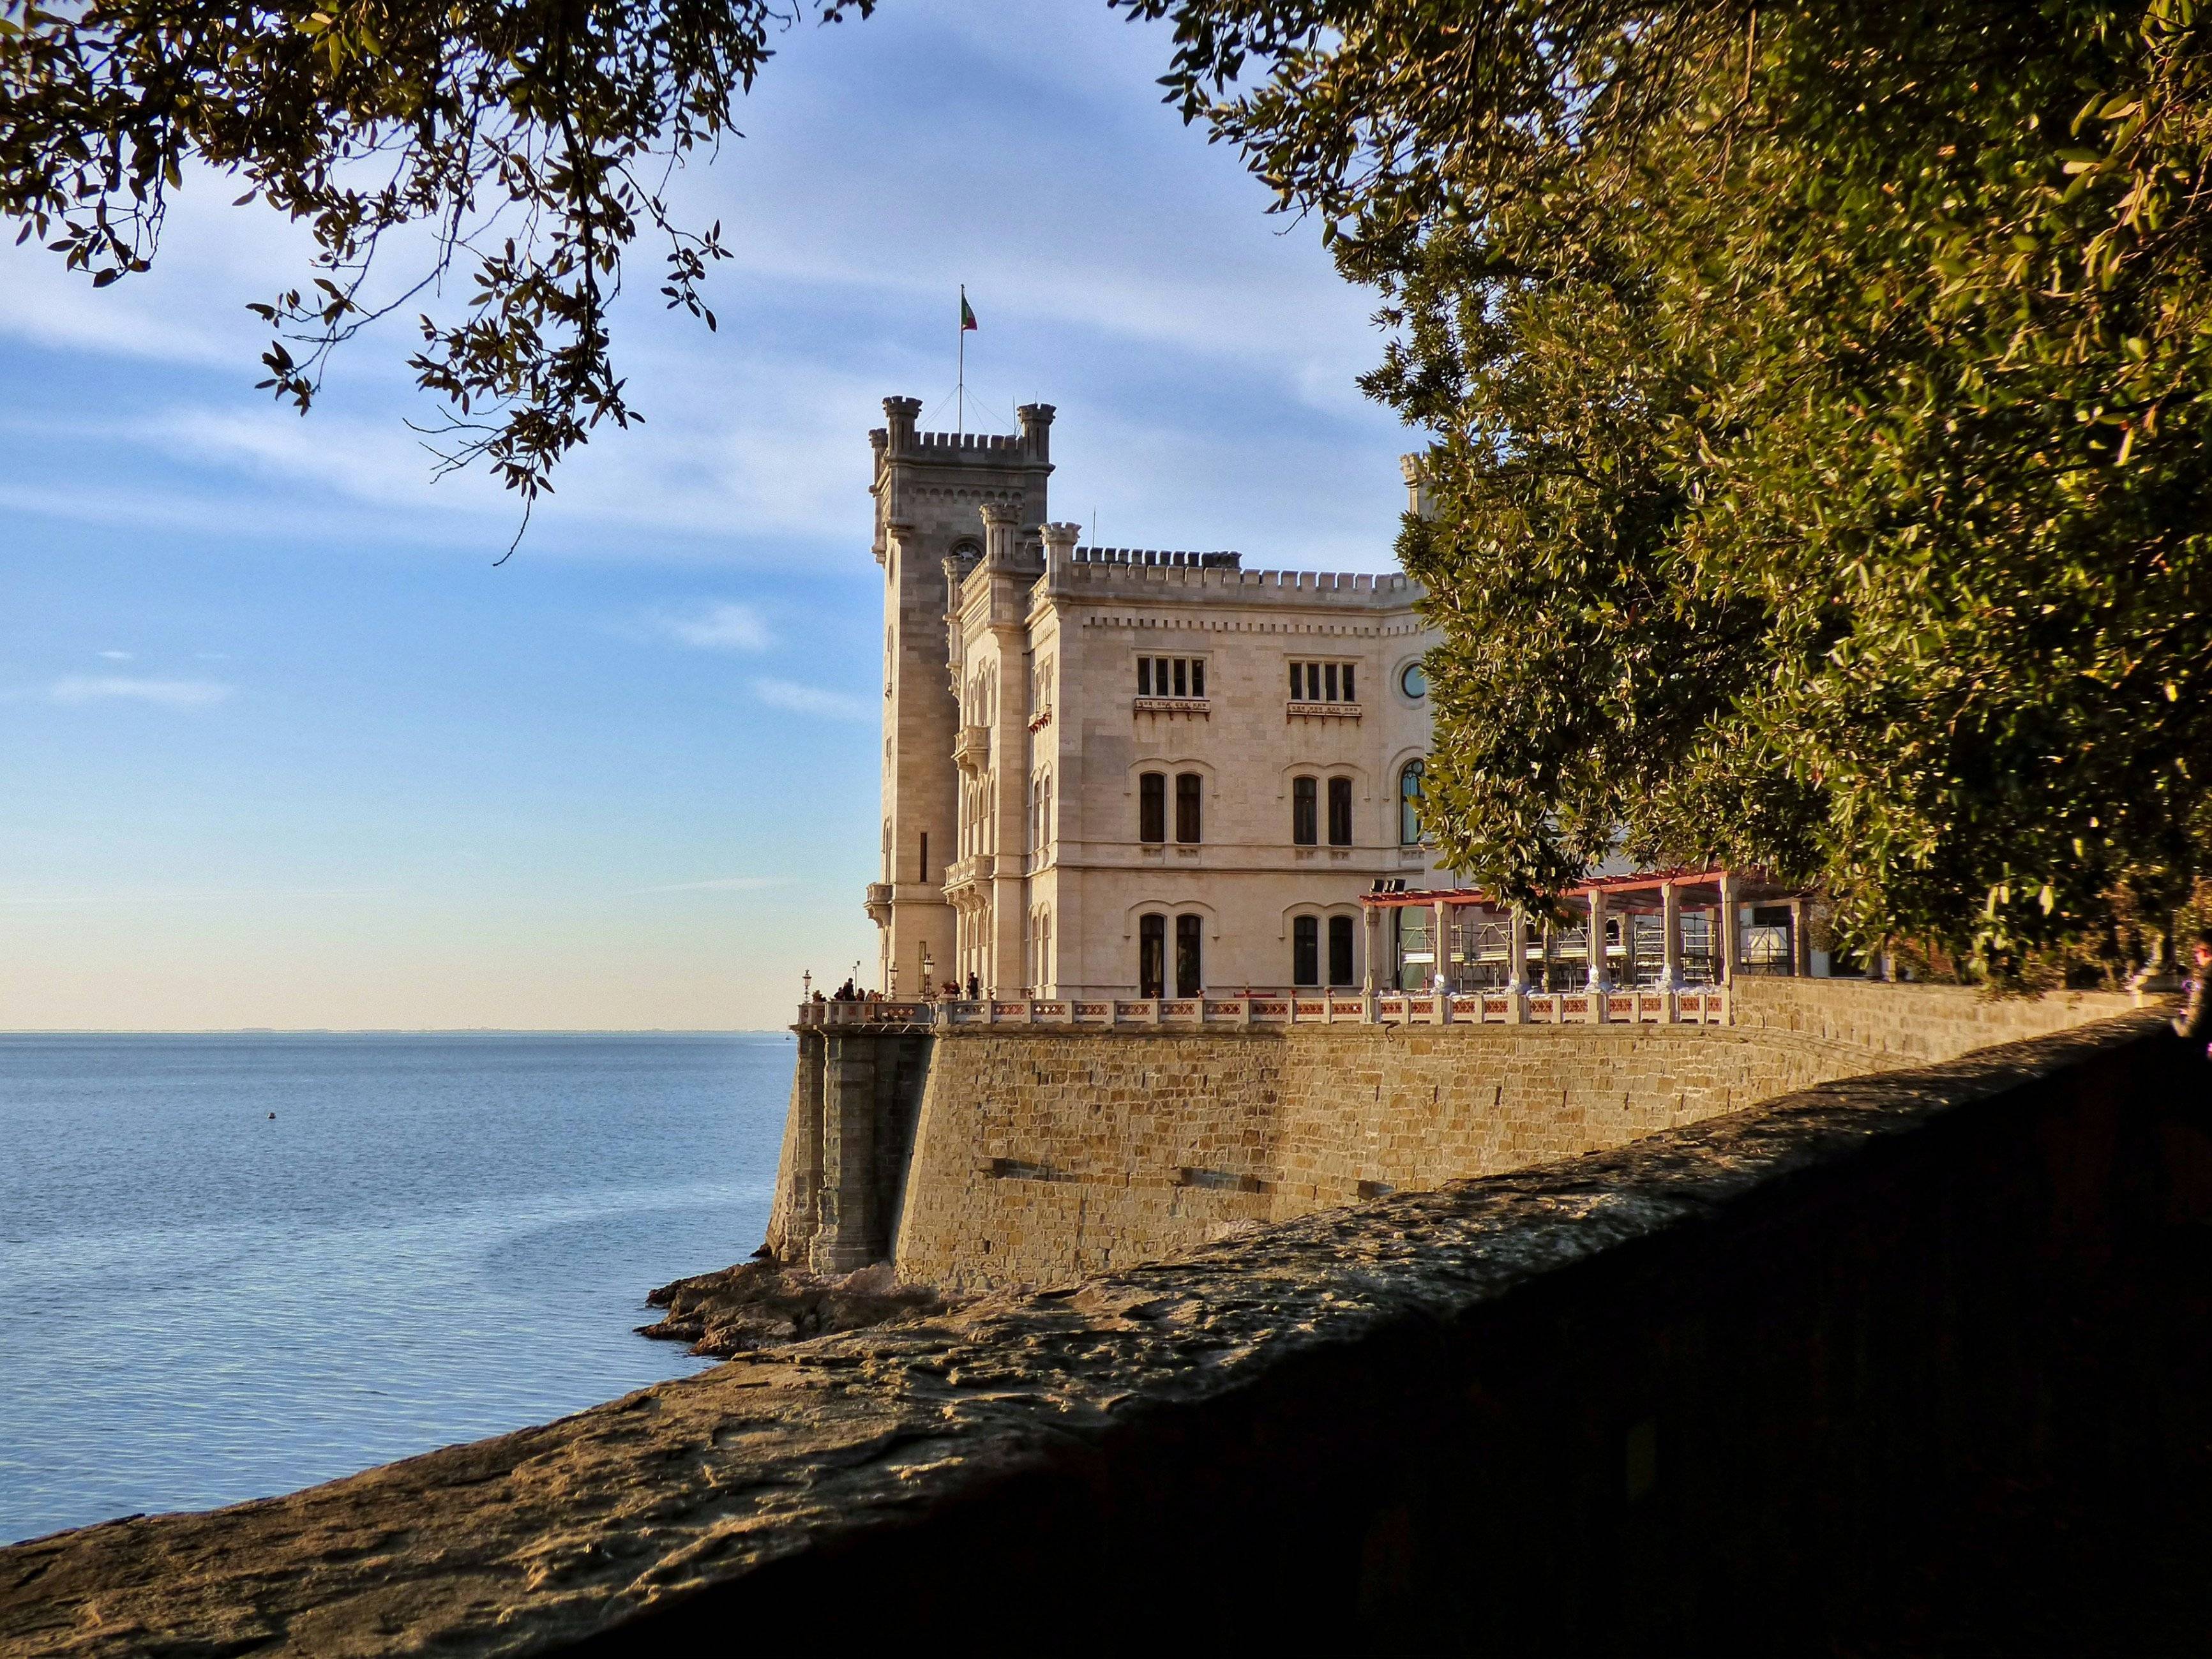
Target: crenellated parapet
x,y
1095,572
899,438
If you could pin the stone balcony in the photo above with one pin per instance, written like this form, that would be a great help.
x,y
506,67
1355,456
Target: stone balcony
x,y
963,876
971,749
878,903
1326,711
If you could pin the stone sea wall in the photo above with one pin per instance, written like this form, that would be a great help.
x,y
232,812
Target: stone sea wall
x,y
1040,1156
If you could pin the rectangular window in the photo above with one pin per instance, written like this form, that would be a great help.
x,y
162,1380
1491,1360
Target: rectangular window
x,y
1340,950
923,876
1187,785
1152,956
1152,807
1323,681
1189,982
1340,812
1304,797
1305,950
1170,676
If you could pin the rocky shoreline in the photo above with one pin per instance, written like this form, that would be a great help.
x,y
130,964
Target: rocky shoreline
x,y
764,1303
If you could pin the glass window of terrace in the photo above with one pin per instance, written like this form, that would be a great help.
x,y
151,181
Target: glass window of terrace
x,y
1340,812
1153,806
1187,788
1152,956
1305,950
1340,950
1305,830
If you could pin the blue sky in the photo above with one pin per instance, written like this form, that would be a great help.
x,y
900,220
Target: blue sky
x,y
283,749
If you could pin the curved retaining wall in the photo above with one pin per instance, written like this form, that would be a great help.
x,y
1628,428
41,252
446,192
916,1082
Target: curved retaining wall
x,y
1039,1157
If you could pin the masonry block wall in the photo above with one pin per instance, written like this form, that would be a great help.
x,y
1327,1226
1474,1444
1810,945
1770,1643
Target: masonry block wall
x,y
1039,1157
1911,1024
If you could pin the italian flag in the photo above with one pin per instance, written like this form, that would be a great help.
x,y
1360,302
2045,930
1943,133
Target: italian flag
x,y
966,316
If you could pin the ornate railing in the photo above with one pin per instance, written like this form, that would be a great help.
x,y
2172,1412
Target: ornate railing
x,y
1700,1006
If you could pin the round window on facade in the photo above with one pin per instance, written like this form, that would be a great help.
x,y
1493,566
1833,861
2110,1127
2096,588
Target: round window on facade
x,y
1414,681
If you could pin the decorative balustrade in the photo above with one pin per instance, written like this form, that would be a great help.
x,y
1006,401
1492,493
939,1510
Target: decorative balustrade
x,y
1699,1005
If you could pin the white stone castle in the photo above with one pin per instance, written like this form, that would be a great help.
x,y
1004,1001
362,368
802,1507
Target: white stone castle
x,y
1110,773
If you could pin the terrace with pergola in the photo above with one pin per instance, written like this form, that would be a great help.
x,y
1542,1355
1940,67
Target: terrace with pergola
x,y
1659,929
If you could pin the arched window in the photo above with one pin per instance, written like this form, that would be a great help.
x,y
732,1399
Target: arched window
x,y
1409,803
1152,956
1304,813
1187,788
1153,806
1190,980
1305,950
1340,950
1340,812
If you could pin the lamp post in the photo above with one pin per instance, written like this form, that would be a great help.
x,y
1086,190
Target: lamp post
x,y
928,976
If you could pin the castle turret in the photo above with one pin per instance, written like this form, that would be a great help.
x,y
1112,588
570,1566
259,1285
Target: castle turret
x,y
931,490
1415,468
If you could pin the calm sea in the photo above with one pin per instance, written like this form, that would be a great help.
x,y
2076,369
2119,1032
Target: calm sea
x,y
435,1238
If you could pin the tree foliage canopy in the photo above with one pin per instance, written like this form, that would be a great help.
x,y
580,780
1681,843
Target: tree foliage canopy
x,y
1820,397
528,139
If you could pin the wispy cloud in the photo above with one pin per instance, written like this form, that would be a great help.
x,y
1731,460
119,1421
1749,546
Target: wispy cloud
x,y
719,626
721,884
814,700
115,688
118,656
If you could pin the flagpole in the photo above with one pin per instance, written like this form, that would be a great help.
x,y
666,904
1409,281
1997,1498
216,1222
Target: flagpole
x,y
960,386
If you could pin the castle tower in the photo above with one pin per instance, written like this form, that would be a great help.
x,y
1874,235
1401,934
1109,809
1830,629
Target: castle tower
x,y
930,490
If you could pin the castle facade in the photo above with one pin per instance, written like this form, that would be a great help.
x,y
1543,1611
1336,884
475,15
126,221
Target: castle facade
x,y
1117,773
